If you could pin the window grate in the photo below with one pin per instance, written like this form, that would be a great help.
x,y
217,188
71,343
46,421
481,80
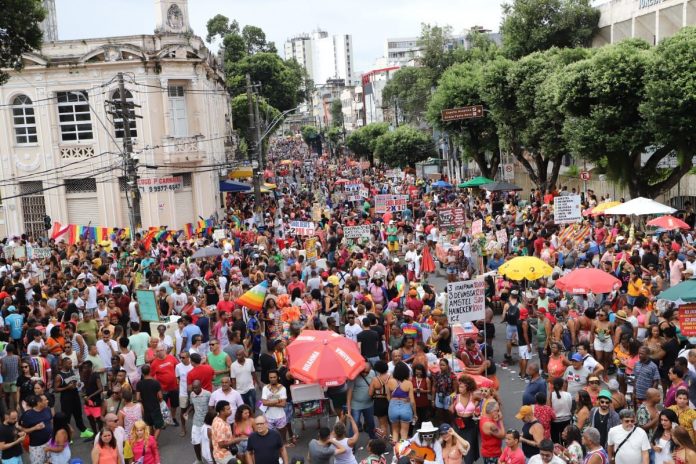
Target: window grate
x,y
186,177
176,90
80,185
33,207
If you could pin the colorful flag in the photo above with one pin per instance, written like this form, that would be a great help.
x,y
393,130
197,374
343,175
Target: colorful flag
x,y
59,230
254,298
188,230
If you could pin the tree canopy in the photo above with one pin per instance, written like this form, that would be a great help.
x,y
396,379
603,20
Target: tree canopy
x,y
19,32
362,140
536,25
409,90
404,146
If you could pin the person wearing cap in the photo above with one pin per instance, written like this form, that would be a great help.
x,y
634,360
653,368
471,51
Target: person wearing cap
x,y
524,335
575,375
603,416
532,431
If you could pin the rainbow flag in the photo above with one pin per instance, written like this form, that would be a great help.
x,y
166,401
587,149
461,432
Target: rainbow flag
x,y
162,235
254,298
73,234
188,230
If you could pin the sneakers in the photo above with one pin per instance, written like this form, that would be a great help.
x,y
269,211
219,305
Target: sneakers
x,y
87,433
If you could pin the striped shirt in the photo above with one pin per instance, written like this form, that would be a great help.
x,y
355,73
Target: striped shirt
x,y
645,374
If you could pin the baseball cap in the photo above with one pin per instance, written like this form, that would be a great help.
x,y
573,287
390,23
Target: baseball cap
x,y
408,313
514,292
604,394
444,428
11,309
541,310
524,412
576,357
542,291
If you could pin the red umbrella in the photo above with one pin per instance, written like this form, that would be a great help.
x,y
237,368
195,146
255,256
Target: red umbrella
x,y
324,357
669,222
585,280
267,174
341,181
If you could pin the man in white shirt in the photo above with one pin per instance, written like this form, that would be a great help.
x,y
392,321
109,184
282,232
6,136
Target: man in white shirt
x,y
181,371
227,393
626,443
244,379
91,296
351,328
106,347
273,398
546,455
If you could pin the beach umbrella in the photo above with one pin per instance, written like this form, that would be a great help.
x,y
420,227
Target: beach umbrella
x,y
442,184
254,298
207,252
232,186
324,357
500,187
684,292
602,207
668,222
586,280
341,181
525,267
640,207
475,182
286,162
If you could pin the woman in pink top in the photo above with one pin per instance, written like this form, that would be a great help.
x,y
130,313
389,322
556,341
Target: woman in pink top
x,y
141,445
454,447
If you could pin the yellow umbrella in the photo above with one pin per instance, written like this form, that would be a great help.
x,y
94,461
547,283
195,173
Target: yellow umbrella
x,y
270,186
525,267
600,208
286,162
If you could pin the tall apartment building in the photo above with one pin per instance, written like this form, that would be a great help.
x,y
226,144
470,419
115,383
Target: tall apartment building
x,y
324,56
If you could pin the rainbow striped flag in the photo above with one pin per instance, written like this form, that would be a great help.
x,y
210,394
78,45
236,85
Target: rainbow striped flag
x,y
188,230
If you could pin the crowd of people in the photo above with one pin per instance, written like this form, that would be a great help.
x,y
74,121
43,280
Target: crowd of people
x,y
609,377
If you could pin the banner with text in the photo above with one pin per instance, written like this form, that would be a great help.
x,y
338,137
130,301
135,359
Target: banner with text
x,y
356,231
687,319
160,184
477,227
566,210
451,217
302,227
390,203
466,301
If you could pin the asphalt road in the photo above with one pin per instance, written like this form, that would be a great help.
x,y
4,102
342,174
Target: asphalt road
x,y
175,449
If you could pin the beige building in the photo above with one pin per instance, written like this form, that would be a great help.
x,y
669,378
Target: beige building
x,y
61,149
651,20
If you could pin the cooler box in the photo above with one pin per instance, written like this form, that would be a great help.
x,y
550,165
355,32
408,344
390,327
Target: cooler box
x,y
462,332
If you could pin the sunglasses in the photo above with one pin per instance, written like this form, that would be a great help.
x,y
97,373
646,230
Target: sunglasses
x,y
604,402
629,421
594,382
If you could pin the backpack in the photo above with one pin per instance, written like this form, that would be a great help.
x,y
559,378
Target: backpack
x,y
513,314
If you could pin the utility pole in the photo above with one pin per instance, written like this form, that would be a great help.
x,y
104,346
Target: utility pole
x,y
122,109
254,132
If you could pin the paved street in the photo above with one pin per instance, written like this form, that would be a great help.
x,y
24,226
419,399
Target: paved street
x,y
175,449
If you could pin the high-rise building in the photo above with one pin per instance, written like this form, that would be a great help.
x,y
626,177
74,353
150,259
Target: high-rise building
x,y
324,56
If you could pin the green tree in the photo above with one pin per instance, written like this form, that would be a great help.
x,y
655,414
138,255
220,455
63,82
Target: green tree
x,y
362,140
334,135
404,146
220,26
434,44
521,98
240,116
460,86
409,90
19,32
337,113
309,134
535,25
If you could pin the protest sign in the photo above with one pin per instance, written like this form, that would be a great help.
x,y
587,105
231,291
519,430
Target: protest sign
x,y
316,212
353,196
302,227
393,173
41,253
8,251
352,187
218,234
687,320
390,203
451,217
477,227
356,231
311,249
147,304
566,210
364,193
466,301
501,236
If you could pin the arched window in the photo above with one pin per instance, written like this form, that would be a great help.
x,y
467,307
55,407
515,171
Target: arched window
x,y
118,120
24,120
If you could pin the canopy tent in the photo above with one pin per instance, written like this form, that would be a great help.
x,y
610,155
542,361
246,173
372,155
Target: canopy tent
x,y
442,184
640,207
475,182
241,173
232,186
500,187
683,292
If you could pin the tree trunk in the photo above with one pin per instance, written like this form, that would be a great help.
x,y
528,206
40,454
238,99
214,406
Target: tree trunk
x,y
557,162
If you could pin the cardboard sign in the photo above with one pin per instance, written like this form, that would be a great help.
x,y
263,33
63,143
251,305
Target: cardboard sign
x,y
356,231
477,227
466,301
364,193
451,217
352,187
390,203
316,212
218,234
160,184
8,251
687,319
393,173
41,253
311,249
147,304
566,210
501,236
353,197
302,227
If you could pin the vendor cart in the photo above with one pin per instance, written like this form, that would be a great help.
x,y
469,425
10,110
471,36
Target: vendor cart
x,y
308,401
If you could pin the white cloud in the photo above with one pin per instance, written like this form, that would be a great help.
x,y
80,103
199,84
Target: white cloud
x,y
370,22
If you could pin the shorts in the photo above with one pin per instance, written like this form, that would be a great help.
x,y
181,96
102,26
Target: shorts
x,y
606,346
400,411
511,332
37,454
183,402
93,411
242,447
9,387
288,411
524,352
154,418
381,407
196,434
442,401
277,424
14,460
173,397
452,271
393,246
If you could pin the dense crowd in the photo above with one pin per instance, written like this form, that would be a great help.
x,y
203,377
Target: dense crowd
x,y
610,377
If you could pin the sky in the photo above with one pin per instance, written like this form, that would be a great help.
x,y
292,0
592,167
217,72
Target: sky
x,y
370,22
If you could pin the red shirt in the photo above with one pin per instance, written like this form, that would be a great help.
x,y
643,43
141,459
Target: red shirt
x,y
225,306
538,245
163,370
204,373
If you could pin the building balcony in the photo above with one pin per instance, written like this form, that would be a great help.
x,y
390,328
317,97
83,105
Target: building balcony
x,y
76,151
183,150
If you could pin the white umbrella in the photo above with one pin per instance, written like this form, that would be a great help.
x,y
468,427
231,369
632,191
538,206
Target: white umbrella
x,y
640,207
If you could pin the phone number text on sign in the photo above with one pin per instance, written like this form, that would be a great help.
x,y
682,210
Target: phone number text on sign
x,y
160,184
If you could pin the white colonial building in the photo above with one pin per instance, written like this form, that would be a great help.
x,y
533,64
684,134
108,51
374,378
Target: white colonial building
x,y
61,150
651,20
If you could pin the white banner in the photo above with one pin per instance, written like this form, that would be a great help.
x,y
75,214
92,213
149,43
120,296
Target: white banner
x,y
160,184
477,227
40,253
390,203
352,187
566,210
302,227
218,234
501,236
356,231
466,301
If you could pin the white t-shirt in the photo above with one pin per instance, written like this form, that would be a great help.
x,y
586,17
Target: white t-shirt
x,y
181,371
274,412
91,297
233,397
352,331
133,312
243,375
179,301
631,451
563,406
590,363
536,459
105,353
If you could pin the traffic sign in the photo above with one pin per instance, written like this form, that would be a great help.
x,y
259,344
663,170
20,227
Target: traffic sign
x,y
508,171
585,175
465,112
